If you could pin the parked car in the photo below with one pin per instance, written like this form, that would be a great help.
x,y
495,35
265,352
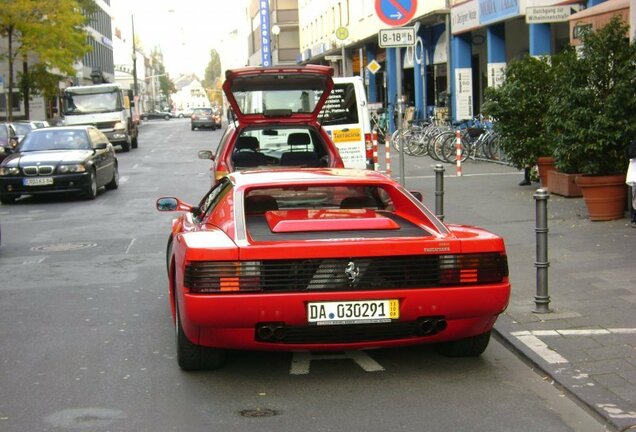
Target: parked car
x,y
277,124
154,114
8,140
326,260
187,112
25,126
61,159
205,118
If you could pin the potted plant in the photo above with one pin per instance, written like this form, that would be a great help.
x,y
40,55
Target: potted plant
x,y
592,115
519,109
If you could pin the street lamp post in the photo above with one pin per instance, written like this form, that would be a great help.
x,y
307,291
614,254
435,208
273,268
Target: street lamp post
x,y
134,58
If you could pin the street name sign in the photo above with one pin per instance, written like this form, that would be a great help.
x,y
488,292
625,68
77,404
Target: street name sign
x,y
396,37
549,14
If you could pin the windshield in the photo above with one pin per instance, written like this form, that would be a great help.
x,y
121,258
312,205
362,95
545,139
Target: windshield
x,y
91,103
278,102
22,128
55,140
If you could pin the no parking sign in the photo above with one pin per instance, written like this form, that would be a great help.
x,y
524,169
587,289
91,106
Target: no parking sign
x,y
395,12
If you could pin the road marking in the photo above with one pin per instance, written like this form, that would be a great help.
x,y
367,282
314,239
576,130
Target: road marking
x,y
123,179
301,361
540,348
130,245
531,340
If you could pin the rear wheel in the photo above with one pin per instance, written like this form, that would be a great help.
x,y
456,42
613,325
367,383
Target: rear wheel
x,y
191,357
114,183
166,117
469,347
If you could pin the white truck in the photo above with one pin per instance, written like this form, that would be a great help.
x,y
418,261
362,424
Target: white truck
x,y
107,107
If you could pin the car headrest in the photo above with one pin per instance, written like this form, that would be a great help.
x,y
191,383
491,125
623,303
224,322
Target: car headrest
x,y
247,143
259,204
298,138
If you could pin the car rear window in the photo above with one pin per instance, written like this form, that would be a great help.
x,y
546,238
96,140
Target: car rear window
x,y
341,106
203,111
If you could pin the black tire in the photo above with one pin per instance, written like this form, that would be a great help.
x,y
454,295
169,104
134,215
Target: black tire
x,y
469,347
125,146
8,199
91,190
191,357
114,183
191,127
134,142
166,117
144,118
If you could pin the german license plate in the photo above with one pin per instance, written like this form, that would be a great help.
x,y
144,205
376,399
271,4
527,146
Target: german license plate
x,y
38,181
353,312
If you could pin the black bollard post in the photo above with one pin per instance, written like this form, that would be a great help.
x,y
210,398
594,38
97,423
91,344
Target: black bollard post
x,y
542,299
439,191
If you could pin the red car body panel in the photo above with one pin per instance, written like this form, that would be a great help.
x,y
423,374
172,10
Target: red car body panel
x,y
229,320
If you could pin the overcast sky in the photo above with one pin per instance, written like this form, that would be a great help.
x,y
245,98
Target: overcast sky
x,y
185,30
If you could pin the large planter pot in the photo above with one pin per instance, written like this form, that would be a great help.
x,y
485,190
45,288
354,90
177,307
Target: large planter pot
x,y
545,164
563,184
604,196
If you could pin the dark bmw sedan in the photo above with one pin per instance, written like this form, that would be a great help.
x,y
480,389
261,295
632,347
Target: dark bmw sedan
x,y
61,159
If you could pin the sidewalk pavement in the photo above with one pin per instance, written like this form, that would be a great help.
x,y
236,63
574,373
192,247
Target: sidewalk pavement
x,y
587,343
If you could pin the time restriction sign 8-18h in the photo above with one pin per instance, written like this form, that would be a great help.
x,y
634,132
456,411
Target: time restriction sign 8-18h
x,y
396,37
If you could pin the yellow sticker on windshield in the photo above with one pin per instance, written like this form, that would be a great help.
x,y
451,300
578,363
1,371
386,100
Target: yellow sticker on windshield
x,y
346,135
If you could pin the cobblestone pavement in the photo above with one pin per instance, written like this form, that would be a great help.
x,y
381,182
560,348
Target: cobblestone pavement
x,y
587,343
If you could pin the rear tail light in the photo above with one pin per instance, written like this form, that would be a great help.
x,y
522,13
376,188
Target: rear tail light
x,y
368,146
206,277
472,269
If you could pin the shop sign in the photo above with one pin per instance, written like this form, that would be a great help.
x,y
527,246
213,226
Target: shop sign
x,y
266,55
496,74
491,11
464,17
464,93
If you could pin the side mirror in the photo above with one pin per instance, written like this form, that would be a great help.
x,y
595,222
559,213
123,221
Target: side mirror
x,y
205,154
167,204
417,195
101,146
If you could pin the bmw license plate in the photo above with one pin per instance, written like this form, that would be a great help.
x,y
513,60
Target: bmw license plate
x,y
353,312
38,181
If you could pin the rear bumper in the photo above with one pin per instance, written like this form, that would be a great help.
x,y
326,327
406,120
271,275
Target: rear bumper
x,y
232,321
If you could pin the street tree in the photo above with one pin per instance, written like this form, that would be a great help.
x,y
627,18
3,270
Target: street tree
x,y
53,32
213,70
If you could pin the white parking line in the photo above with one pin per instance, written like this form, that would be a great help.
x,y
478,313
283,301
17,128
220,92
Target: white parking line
x,y
301,361
531,340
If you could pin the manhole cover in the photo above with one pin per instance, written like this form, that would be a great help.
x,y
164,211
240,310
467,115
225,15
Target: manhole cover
x,y
63,247
259,412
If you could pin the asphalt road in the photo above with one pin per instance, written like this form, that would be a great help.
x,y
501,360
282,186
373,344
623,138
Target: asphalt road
x,y
86,340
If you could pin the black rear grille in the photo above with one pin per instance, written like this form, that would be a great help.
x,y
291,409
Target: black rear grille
x,y
349,333
346,274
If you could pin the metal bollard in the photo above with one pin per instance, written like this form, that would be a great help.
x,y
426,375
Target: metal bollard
x,y
439,191
542,299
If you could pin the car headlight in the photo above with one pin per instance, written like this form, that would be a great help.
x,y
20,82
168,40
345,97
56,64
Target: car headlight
x,y
119,126
4,171
74,168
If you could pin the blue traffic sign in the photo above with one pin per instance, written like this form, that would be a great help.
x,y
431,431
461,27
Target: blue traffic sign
x,y
395,12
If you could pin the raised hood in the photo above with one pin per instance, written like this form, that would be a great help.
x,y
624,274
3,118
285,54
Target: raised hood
x,y
278,94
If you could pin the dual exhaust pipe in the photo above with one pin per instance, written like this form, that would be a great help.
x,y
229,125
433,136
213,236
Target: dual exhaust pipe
x,y
430,326
270,332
